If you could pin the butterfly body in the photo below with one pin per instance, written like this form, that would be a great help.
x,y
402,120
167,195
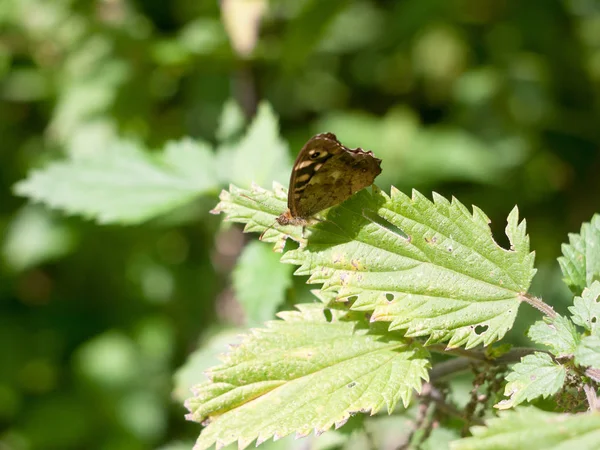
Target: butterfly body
x,y
325,174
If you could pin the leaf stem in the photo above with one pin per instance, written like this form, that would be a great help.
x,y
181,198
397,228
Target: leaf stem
x,y
539,304
594,374
592,398
468,358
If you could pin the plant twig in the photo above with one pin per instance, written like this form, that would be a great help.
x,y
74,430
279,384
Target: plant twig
x,y
592,398
594,374
470,357
539,304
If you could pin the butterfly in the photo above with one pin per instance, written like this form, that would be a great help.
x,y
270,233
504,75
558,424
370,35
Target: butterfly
x,y
325,174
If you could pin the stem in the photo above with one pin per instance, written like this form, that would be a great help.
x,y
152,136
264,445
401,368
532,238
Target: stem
x,y
592,398
539,304
469,357
594,374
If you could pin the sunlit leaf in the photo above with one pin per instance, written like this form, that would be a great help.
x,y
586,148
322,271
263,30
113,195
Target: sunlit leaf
x,y
192,372
308,372
533,429
586,309
588,352
124,184
559,334
535,376
431,268
580,262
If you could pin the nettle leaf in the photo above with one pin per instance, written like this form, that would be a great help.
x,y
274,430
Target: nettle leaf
x,y
536,375
124,184
558,334
535,430
430,268
260,282
260,156
581,261
588,352
586,309
310,371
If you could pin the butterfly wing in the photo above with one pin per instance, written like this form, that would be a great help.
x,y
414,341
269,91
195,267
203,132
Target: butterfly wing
x,y
340,176
312,158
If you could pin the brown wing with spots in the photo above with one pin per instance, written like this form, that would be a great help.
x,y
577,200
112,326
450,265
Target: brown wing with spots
x,y
344,174
312,158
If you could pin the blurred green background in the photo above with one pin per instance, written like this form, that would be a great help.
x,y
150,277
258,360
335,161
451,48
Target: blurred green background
x,y
493,101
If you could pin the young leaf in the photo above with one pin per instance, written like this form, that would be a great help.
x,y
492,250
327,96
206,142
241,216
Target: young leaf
x,y
124,184
260,282
586,309
309,371
536,375
431,268
231,121
259,157
558,334
588,352
581,261
534,429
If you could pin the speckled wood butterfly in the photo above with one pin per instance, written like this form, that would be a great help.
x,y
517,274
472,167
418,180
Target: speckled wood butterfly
x,y
325,174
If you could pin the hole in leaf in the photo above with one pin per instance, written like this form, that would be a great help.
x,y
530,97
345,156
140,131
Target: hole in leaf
x,y
498,233
389,297
328,315
352,298
594,319
480,329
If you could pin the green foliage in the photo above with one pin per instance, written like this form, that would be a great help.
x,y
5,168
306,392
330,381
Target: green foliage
x,y
586,309
317,366
122,184
588,352
559,334
536,375
447,277
260,282
581,261
124,112
529,428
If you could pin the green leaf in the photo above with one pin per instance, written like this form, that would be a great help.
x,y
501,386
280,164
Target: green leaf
x,y
260,282
309,371
536,375
231,122
586,309
35,237
581,261
431,268
259,157
533,429
558,334
124,184
206,356
588,352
